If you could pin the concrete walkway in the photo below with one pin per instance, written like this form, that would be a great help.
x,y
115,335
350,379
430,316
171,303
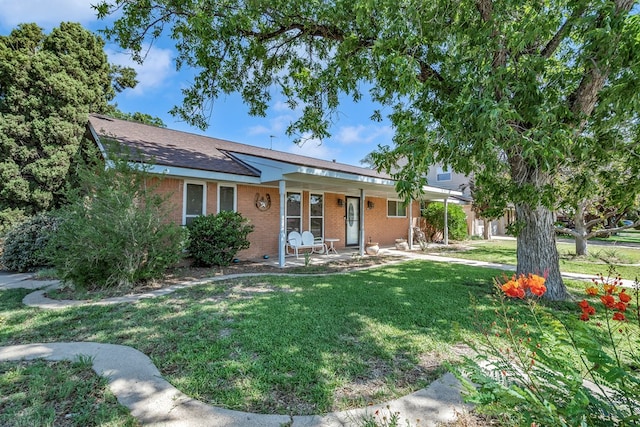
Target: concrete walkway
x,y
138,384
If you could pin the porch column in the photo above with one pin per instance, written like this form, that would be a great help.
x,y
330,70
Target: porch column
x,y
283,220
361,239
446,220
410,225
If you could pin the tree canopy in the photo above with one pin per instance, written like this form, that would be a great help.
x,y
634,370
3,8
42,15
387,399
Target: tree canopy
x,y
512,91
49,83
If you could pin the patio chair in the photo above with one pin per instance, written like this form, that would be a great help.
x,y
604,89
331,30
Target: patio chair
x,y
297,241
317,245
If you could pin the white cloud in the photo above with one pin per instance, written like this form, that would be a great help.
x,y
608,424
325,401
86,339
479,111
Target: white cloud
x,y
276,126
281,106
258,130
154,72
46,13
362,134
313,147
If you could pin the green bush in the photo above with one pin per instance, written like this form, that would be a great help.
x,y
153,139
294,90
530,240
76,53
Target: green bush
x,y
113,232
434,216
216,239
10,218
24,245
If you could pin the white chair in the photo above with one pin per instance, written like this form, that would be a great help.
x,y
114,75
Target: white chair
x,y
317,245
296,241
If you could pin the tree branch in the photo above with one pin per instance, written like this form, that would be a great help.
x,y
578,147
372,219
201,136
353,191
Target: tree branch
x,y
565,28
610,231
565,230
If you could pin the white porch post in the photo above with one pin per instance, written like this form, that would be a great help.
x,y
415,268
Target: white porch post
x,y
446,221
283,226
410,234
361,239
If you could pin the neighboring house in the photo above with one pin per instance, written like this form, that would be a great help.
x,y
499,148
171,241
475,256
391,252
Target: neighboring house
x,y
443,177
278,192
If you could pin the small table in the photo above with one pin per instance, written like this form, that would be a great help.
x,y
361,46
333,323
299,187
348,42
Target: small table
x,y
331,248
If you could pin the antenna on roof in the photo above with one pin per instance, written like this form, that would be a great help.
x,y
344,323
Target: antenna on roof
x,y
271,141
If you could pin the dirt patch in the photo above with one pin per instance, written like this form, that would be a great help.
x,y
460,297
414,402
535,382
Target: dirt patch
x,y
186,272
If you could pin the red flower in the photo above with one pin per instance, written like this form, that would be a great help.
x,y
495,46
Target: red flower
x,y
536,285
513,289
624,297
608,301
620,306
592,290
619,316
610,289
586,309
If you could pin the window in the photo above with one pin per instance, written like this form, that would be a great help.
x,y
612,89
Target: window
x,y
226,198
194,202
294,212
396,208
443,174
316,215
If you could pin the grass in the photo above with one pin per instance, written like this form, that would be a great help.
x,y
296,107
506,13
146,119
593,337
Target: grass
x,y
625,260
300,345
289,345
622,237
61,394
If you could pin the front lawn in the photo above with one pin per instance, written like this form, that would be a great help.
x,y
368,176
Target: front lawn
x,y
288,345
62,394
625,260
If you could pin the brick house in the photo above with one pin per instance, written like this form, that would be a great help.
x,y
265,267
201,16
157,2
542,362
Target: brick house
x,y
278,192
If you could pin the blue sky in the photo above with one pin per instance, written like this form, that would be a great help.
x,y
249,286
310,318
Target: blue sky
x,y
353,134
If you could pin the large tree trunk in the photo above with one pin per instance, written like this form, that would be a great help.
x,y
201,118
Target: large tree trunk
x,y
537,252
486,231
580,230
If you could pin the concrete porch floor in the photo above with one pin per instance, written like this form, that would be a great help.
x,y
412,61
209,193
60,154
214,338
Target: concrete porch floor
x,y
343,254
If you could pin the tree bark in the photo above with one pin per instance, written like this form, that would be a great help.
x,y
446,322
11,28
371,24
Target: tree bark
x,y
580,230
486,231
537,251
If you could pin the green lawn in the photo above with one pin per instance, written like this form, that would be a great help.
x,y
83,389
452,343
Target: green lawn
x,y
288,345
40,393
625,260
627,236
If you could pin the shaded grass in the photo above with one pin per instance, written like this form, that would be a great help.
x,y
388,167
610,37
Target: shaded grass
x,y
289,345
62,394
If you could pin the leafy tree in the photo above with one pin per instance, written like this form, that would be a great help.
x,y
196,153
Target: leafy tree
x,y
113,232
48,86
456,221
136,117
598,192
506,89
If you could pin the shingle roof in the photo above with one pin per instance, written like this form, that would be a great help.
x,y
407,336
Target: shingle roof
x,y
188,150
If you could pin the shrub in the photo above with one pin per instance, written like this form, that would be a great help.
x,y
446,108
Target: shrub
x,y
216,239
456,219
10,218
544,370
23,247
113,231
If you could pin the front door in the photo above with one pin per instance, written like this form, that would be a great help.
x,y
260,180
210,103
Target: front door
x,y
353,221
